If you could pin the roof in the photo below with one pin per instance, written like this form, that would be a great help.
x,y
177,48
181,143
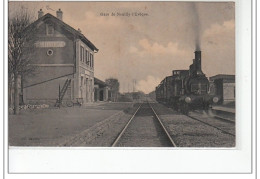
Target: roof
x,y
222,76
99,82
66,26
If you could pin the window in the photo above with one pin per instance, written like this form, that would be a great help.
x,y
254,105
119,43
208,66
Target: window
x,y
91,60
49,29
87,57
176,72
49,52
81,53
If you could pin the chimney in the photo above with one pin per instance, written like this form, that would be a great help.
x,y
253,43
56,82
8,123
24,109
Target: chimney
x,y
59,14
40,13
198,55
197,62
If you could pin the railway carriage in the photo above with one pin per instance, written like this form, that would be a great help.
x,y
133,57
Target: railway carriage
x,y
186,90
159,92
164,90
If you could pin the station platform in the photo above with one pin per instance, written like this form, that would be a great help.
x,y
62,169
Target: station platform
x,y
224,109
53,126
97,103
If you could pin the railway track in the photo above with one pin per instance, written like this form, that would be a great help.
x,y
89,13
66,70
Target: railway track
x,y
144,129
225,119
216,118
211,125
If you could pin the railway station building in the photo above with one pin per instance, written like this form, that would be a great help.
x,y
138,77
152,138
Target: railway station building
x,y
101,90
224,86
64,61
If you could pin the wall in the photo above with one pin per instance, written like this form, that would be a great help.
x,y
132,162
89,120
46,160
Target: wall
x,y
53,69
47,92
225,88
84,89
228,91
63,62
63,50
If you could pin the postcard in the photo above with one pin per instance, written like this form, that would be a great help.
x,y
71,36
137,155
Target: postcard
x,y
122,76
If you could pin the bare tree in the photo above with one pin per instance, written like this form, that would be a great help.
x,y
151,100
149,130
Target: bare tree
x,y
20,48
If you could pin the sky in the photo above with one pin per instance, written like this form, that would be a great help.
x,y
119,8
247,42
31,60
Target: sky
x,y
147,48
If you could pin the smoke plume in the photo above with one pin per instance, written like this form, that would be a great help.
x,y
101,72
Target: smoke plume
x,y
196,25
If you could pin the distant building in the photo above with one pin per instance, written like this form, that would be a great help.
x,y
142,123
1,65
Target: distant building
x,y
101,90
224,86
114,89
64,57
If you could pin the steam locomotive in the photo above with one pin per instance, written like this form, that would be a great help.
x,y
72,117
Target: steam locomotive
x,y
186,90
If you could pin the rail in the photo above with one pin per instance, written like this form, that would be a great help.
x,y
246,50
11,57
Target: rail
x,y
122,132
224,131
133,116
168,135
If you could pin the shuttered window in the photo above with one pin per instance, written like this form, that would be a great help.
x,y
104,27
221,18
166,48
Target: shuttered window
x,y
91,61
49,29
87,57
81,53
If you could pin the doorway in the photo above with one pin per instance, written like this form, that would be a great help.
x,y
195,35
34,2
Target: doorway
x,y
101,97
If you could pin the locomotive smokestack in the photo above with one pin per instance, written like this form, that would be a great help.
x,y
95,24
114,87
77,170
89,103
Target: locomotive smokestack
x,y
198,55
197,62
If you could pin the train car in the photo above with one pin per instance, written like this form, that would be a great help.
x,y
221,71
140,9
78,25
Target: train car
x,y
168,88
164,90
158,93
178,83
187,90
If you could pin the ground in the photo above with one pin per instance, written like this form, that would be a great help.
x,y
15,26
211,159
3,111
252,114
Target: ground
x,y
99,124
52,126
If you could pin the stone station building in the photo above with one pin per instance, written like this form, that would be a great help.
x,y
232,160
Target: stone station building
x,y
64,61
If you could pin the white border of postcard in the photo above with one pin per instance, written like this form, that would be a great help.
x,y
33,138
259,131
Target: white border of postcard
x,y
238,160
